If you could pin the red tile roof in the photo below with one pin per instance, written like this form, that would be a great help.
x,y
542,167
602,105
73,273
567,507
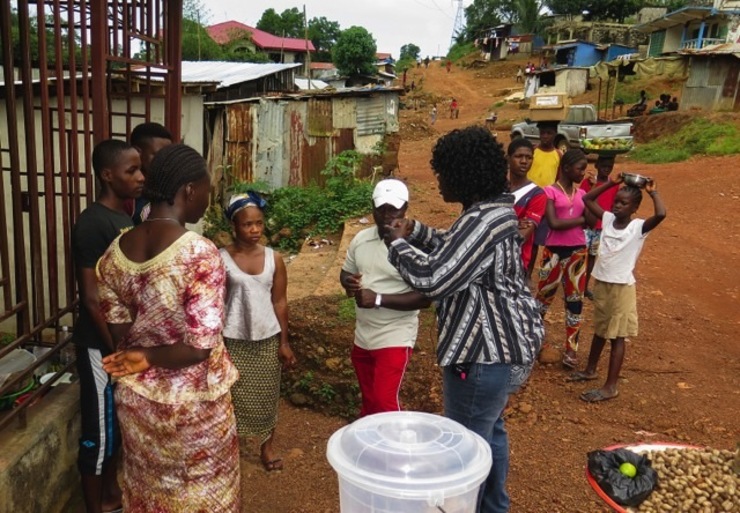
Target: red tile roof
x,y
222,33
382,56
322,65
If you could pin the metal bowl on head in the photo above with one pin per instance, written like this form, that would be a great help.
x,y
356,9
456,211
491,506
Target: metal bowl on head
x,y
635,180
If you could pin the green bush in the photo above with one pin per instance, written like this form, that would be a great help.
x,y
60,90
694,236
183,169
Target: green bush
x,y
458,51
296,212
698,137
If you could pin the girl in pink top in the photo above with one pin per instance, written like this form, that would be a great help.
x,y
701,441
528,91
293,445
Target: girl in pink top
x,y
564,256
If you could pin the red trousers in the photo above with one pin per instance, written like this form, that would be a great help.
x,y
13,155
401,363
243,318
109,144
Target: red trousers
x,y
380,373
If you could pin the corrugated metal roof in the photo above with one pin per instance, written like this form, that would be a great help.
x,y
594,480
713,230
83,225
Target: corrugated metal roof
x,y
721,49
303,84
226,74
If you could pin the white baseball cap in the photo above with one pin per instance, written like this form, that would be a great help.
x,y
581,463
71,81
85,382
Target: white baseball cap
x,y
392,192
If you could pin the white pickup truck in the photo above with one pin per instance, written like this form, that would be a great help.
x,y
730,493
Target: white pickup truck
x,y
580,123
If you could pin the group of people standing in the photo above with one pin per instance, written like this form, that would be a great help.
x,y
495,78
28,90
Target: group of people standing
x,y
195,338
179,345
477,274
583,222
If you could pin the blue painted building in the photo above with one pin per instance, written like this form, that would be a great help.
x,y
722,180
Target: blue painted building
x,y
615,50
576,53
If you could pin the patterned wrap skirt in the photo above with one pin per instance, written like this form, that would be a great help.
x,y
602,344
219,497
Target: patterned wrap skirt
x,y
257,391
178,458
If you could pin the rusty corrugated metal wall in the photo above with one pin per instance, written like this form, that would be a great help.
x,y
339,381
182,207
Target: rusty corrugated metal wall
x,y
57,101
288,141
713,84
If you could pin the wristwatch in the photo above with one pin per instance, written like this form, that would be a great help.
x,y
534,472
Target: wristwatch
x,y
378,299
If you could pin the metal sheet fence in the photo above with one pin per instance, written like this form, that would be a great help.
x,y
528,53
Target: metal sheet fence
x,y
71,72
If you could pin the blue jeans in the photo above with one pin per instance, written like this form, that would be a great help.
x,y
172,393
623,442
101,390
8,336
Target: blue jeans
x,y
477,402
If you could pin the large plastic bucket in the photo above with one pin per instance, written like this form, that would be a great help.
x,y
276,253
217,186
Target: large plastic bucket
x,y
408,462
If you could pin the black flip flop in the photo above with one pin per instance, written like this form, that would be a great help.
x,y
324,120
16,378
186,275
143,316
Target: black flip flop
x,y
579,376
596,396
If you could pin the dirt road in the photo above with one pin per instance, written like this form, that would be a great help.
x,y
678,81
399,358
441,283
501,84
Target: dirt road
x,y
681,377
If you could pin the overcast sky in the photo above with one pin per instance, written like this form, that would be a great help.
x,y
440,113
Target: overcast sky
x,y
426,23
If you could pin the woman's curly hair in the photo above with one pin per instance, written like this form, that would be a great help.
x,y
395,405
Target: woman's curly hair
x,y
470,164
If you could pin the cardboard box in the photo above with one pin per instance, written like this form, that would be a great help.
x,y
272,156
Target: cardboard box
x,y
548,107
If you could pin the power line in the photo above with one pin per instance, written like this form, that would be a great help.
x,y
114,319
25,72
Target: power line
x,y
459,24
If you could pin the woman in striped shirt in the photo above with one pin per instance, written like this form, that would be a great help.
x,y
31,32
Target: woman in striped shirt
x,y
490,329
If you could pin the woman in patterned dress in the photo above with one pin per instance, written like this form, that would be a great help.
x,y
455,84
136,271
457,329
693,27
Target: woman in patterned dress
x,y
161,291
256,326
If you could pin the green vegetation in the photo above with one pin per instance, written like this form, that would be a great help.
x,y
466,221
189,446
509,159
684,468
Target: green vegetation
x,y
347,309
294,212
6,339
460,50
354,52
698,137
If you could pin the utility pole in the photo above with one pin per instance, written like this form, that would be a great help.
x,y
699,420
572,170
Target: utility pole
x,y
308,51
459,24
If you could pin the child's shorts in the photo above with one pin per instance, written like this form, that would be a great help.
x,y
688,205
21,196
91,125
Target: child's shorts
x,y
593,237
615,310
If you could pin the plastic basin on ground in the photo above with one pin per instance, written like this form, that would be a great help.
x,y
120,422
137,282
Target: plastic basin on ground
x,y
408,462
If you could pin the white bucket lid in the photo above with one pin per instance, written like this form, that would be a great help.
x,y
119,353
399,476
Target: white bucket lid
x,y
410,455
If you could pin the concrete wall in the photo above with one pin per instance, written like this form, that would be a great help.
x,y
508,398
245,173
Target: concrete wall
x,y
38,471
192,133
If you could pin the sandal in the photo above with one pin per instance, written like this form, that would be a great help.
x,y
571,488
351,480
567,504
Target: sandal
x,y
570,362
597,395
275,465
579,376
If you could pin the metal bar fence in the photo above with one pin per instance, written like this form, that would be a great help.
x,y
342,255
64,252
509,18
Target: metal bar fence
x,y
73,73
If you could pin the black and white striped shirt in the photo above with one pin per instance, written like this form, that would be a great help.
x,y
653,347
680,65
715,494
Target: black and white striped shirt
x,y
485,311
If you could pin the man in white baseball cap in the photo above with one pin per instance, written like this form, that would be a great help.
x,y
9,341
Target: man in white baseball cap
x,y
387,309
391,192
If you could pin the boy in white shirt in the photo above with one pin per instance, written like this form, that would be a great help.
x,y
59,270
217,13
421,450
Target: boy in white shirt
x,y
615,300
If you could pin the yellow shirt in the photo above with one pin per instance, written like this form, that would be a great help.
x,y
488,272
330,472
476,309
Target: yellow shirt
x,y
545,165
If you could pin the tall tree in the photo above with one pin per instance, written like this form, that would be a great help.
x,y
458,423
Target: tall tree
x,y
409,51
567,7
197,45
354,53
195,10
528,16
617,10
323,34
484,14
289,23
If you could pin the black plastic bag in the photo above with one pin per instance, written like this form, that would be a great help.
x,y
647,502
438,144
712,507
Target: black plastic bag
x,y
625,491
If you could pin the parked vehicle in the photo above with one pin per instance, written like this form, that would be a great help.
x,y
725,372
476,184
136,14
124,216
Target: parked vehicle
x,y
580,123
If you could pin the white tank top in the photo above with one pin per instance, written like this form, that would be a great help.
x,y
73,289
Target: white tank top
x,y
249,311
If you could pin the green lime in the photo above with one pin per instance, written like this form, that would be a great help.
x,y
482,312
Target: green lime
x,y
628,469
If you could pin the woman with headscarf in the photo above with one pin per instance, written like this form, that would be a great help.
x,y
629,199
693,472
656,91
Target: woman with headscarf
x,y
161,292
256,326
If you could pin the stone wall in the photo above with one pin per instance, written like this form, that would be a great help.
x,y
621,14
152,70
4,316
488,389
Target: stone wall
x,y
597,32
38,471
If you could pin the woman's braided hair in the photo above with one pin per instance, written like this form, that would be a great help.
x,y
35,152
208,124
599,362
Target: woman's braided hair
x,y
634,192
173,167
571,157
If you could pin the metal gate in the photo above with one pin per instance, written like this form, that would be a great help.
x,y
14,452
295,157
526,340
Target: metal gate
x,y
74,72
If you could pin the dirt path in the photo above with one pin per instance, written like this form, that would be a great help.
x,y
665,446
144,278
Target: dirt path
x,y
680,381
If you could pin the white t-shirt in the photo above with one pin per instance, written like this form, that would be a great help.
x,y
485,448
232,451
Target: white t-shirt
x,y
618,251
378,328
